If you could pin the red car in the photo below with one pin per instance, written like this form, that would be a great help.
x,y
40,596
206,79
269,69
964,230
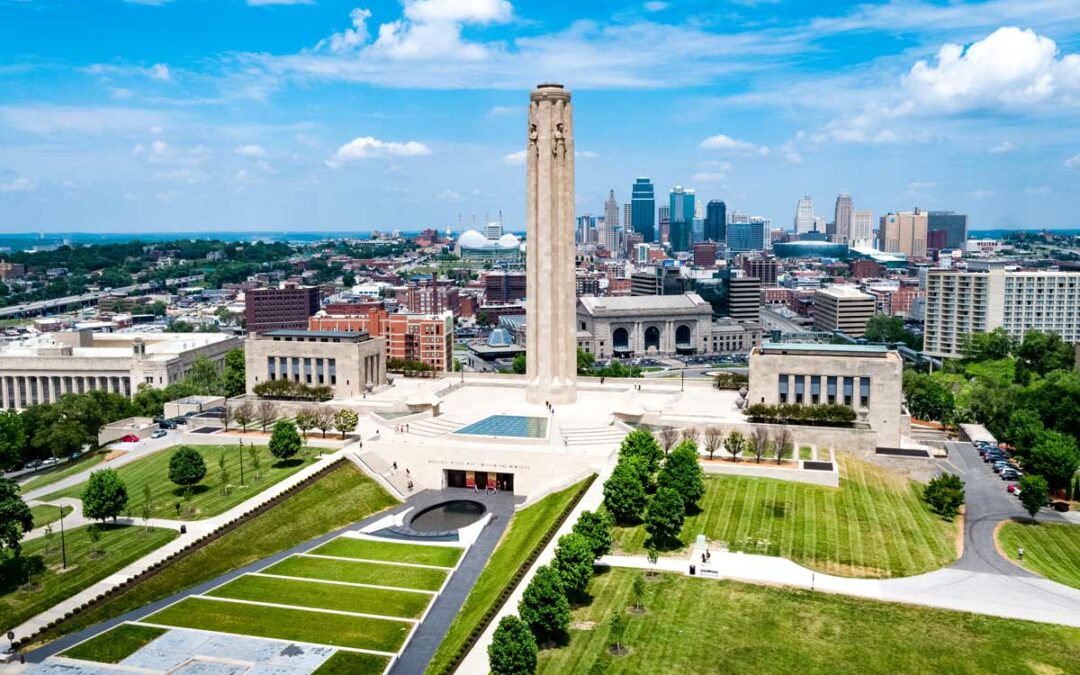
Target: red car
x,y
1012,487
130,438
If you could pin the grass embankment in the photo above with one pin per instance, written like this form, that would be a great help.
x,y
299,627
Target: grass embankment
x,y
1050,549
339,630
874,525
207,499
773,630
365,549
87,461
343,496
115,645
87,564
353,663
319,595
379,574
526,528
46,513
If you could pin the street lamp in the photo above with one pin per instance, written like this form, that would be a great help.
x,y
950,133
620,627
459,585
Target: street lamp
x,y
241,462
63,548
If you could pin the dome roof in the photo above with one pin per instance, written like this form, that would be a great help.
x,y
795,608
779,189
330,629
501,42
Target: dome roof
x,y
472,239
500,337
509,241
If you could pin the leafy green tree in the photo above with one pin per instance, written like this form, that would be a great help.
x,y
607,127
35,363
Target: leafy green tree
x,y
105,495
12,440
1055,458
987,346
284,441
624,494
637,592
1033,491
1023,431
205,376
1043,352
158,308
884,328
595,526
617,631
927,398
585,362
513,649
306,419
544,607
186,468
683,473
664,516
345,421
15,516
641,443
574,564
735,444
235,378
518,365
945,494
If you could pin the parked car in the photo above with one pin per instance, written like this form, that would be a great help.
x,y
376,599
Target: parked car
x,y
130,438
158,434
52,461
1011,474
1012,487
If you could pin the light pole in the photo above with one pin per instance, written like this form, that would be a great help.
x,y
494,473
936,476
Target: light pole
x,y
63,548
241,462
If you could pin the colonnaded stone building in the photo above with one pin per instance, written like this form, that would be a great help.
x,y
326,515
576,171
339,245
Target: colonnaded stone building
x,y
350,363
627,326
43,368
868,378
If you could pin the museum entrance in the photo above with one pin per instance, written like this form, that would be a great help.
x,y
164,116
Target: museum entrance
x,y
490,480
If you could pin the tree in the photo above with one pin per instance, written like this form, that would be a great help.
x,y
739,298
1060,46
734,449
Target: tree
x,y
158,308
186,468
641,443
987,346
585,362
513,648
927,398
1024,430
689,433
12,440
573,563
105,495
235,377
244,414
256,461
305,420
595,526
782,444
544,607
15,516
651,554
624,495
664,517
284,442
945,495
1041,353
324,419
714,438
518,365
228,416
205,376
637,592
266,412
734,444
345,421
1033,491
1055,458
669,436
618,628
759,443
63,438
682,473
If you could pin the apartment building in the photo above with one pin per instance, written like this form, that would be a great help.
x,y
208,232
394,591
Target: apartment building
x,y
843,308
428,338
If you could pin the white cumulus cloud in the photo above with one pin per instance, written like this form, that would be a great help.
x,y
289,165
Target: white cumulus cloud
x,y
369,147
728,144
1073,162
18,184
515,158
160,71
1003,148
458,11
655,6
251,150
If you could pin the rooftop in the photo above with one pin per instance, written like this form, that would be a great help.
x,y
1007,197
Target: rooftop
x,y
351,336
643,303
875,351
841,291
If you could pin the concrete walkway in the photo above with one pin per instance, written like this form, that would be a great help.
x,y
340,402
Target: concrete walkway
x,y
195,529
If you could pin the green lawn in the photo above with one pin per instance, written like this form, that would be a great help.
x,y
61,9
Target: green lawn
x,y
340,498
874,525
115,645
379,574
1050,549
338,630
526,529
364,549
207,499
121,544
695,625
64,470
353,663
806,453
321,595
45,514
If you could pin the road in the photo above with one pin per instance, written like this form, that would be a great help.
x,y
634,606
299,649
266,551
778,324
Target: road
x,y
775,321
42,306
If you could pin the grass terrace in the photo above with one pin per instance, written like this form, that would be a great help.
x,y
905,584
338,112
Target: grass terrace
x,y
207,499
774,630
359,572
343,496
45,514
353,663
87,563
1050,549
322,595
115,645
526,528
874,525
367,549
281,623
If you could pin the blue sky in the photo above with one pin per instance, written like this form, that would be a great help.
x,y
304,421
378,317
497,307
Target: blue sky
x,y
183,115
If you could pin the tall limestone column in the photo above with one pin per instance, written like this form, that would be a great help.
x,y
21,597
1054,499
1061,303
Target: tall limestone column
x,y
550,310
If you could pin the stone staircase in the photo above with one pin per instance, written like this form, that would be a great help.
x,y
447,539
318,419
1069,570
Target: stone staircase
x,y
607,434
398,479
432,427
928,436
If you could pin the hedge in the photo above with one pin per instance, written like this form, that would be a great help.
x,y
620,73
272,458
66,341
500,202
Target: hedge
x,y
824,415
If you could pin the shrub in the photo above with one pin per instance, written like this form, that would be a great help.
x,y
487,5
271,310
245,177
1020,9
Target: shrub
x,y
945,495
292,390
285,440
826,415
186,467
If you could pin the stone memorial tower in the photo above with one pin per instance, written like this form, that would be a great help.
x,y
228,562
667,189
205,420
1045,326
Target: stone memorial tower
x,y
550,311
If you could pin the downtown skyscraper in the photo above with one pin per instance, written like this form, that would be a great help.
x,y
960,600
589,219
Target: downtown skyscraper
x,y
643,209
682,218
841,225
716,221
804,215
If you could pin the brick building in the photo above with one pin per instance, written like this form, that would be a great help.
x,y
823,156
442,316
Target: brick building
x,y
286,308
425,338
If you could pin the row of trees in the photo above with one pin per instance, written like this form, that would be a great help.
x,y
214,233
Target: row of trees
x,y
265,413
825,414
291,390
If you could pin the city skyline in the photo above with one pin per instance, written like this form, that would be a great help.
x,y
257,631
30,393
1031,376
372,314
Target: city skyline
x,y
330,116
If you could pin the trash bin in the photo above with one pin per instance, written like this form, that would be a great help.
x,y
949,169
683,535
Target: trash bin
x,y
693,570
183,529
